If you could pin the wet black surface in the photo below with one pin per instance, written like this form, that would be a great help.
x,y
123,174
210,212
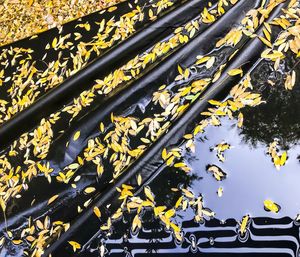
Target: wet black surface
x,y
251,176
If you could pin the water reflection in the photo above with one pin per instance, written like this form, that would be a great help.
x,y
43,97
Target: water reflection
x,y
251,179
278,118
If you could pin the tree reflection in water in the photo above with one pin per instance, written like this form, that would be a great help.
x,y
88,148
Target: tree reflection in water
x,y
279,117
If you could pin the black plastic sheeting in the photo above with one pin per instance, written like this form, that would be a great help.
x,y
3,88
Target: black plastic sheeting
x,y
97,127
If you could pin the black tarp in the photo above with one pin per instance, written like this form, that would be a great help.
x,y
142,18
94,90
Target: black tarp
x,y
118,87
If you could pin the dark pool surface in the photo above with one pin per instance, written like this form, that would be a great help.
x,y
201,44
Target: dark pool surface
x,y
251,178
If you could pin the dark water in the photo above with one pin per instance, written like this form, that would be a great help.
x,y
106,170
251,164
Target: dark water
x,y
251,179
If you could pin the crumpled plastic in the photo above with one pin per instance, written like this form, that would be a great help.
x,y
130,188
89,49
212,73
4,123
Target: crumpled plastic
x,y
119,96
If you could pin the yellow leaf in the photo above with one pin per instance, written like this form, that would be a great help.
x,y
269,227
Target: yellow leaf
x,y
214,102
175,228
111,9
89,190
97,212
235,72
158,210
180,70
186,73
73,166
2,204
80,160
266,42
244,224
178,202
54,42
17,242
276,54
271,206
150,13
220,191
76,135
283,158
102,127
210,62
164,154
188,193
267,34
170,213
170,161
240,120
52,199
148,193
290,81
136,223
75,245
203,60
139,179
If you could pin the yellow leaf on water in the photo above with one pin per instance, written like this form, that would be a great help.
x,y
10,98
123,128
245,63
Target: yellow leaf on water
x,y
39,224
170,161
75,245
235,72
220,191
111,9
244,224
203,60
102,127
175,228
52,199
180,70
267,34
240,120
2,204
159,210
148,193
76,135
283,158
89,190
150,13
97,212
17,242
164,154
188,193
290,81
136,223
214,102
178,203
266,42
80,160
170,213
273,56
271,206
139,179
74,166
277,161
54,42
210,62
186,73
